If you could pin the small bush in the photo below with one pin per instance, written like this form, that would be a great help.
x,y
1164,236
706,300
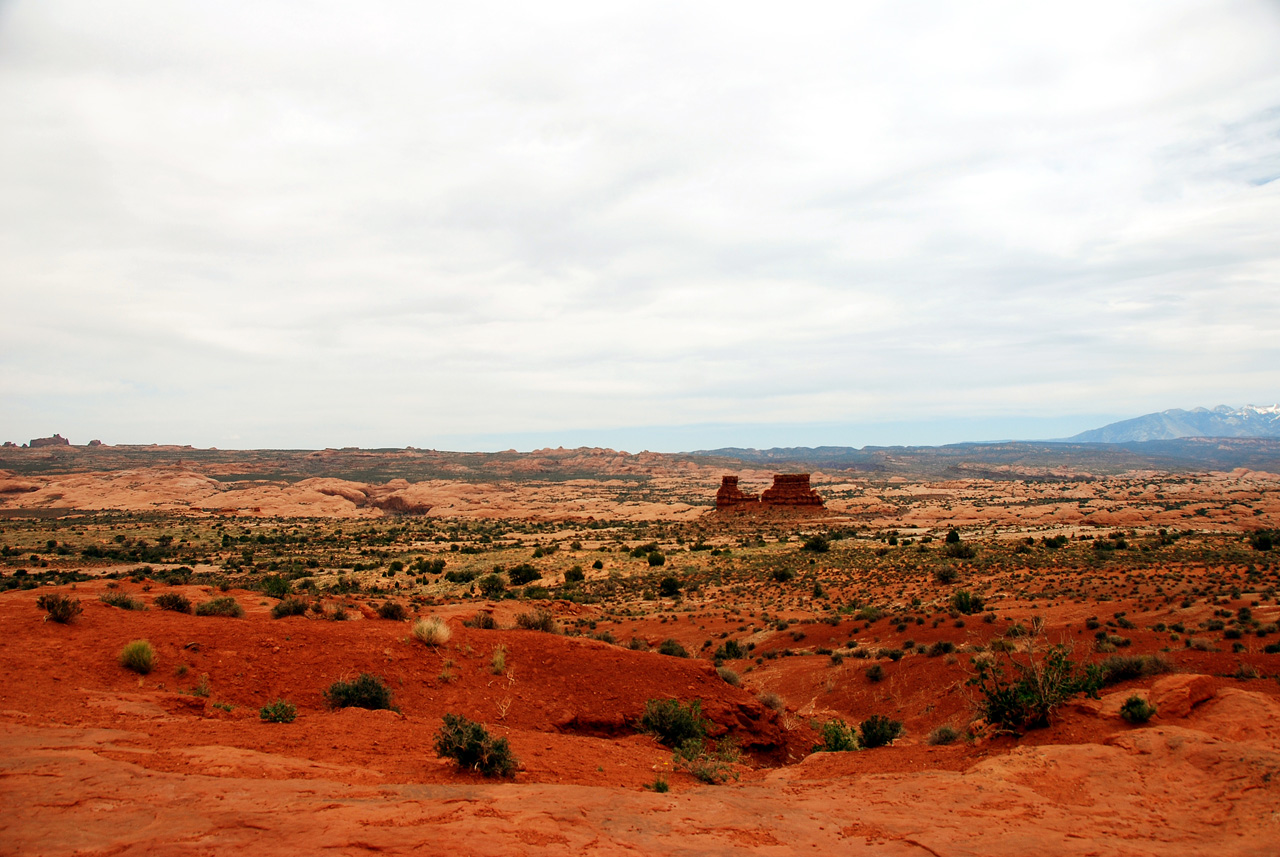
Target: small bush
x,y
773,702
392,611
673,722
60,608
122,600
481,620
837,737
138,656
966,602
817,544
289,607
729,676
783,575
472,747
280,711
224,606
875,673
669,587
1118,668
656,559
276,586
537,620
367,691
1137,710
522,574
575,575
173,601
672,648
711,765
878,730
1017,696
943,735
492,586
946,575
433,631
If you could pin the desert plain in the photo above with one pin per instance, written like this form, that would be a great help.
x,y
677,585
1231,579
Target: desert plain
x,y
853,670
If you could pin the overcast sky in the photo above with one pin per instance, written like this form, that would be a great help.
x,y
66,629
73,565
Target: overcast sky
x,y
650,225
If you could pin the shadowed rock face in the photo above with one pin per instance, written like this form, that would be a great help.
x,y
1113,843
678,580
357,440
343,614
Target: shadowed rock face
x,y
789,490
56,440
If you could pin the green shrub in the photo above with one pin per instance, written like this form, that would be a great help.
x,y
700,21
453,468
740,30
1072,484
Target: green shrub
x,y
537,620
60,608
656,559
492,586
672,648
674,722
575,575
1017,696
669,587
280,711
522,574
878,730
433,631
275,586
121,600
173,601
946,575
1118,668
289,607
392,611
223,606
966,602
875,673
709,764
481,620
367,691
730,650
944,734
472,747
1137,710
138,656
729,676
837,737
817,544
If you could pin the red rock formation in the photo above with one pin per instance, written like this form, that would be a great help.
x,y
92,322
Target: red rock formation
x,y
789,490
730,496
56,440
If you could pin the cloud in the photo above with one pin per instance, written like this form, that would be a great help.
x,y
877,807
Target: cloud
x,y
386,223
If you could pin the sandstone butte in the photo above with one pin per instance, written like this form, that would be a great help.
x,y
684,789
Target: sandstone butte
x,y
789,491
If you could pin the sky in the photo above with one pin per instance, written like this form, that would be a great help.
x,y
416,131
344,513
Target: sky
x,y
665,226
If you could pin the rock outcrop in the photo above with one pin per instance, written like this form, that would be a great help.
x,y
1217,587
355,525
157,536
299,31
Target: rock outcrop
x,y
789,490
56,440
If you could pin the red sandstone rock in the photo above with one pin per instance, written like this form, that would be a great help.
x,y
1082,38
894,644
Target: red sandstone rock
x,y
789,490
56,440
730,496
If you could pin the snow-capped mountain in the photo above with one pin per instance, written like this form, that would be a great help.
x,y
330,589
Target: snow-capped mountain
x,y
1222,421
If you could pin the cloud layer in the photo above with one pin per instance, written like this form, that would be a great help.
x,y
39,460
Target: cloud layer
x,y
391,223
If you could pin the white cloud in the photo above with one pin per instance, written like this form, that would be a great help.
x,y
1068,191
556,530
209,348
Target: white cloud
x,y
384,223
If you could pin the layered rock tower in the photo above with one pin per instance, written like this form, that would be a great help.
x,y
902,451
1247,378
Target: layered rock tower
x,y
789,491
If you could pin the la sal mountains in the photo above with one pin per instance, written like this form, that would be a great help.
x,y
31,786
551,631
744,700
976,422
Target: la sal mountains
x,y
1222,421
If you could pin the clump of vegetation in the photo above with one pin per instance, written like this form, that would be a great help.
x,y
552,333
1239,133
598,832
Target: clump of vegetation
x,y
1137,710
280,711
878,730
433,631
472,747
498,663
837,737
523,574
138,656
711,764
492,586
944,734
966,602
730,676
276,586
674,722
773,702
481,620
816,544
122,600
393,611
875,673
173,601
367,691
668,587
222,606
60,608
537,620
1021,695
672,648
1118,668
289,607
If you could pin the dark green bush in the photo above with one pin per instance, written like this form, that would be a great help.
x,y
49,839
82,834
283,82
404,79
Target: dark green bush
x,y
1118,668
289,607
575,575
669,587
173,601
837,737
817,544
946,574
1017,696
1137,710
537,620
674,722
878,730
522,574
224,606
121,600
275,586
481,620
783,575
875,673
966,602
492,586
280,711
367,691
672,648
656,559
60,608
393,611
472,747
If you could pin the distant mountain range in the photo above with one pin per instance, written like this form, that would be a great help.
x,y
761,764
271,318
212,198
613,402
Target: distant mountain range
x,y
1222,421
